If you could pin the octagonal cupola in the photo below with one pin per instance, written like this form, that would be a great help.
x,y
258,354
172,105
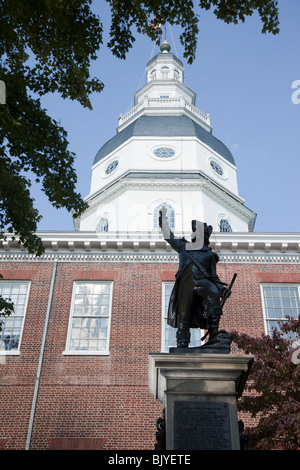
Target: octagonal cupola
x,y
165,66
164,152
165,90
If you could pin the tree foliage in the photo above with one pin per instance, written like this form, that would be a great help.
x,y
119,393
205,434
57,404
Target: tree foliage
x,y
6,307
274,386
47,46
147,17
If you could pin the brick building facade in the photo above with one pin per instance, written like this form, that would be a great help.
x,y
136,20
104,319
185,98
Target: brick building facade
x,y
90,401
74,355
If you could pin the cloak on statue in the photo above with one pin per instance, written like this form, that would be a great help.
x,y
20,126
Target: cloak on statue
x,y
203,262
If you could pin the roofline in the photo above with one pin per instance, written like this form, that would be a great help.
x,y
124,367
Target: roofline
x,y
232,247
163,56
193,135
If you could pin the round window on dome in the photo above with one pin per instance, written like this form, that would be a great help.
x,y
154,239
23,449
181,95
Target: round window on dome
x,y
111,167
164,152
216,167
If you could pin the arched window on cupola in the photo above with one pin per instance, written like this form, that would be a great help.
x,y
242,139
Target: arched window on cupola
x,y
170,215
164,71
225,226
102,225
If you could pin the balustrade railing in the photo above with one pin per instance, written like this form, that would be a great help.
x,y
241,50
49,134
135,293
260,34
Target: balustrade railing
x,y
164,103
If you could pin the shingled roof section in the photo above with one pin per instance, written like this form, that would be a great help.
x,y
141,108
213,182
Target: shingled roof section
x,y
164,126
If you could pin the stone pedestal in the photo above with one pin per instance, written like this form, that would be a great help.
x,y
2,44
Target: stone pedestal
x,y
199,393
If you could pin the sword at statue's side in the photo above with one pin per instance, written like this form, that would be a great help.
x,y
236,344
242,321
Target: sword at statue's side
x,y
229,289
223,300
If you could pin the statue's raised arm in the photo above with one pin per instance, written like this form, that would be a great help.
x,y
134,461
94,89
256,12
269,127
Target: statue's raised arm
x,y
164,223
176,243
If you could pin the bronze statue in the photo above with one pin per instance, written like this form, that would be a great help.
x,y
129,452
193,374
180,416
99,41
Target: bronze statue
x,y
195,300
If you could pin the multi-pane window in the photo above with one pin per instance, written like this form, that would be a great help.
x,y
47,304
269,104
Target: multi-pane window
x,y
216,167
169,333
89,323
164,152
102,225
225,226
279,300
111,167
12,326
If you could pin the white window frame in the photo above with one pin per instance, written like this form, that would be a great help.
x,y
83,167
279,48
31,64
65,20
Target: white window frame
x,y
274,284
196,333
85,352
15,352
163,319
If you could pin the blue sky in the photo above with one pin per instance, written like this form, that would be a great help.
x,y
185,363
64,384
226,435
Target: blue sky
x,y
242,78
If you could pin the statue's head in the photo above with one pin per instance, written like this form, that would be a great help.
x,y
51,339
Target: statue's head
x,y
207,232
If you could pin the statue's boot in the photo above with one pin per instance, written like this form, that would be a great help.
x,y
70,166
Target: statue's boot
x,y
217,338
183,337
213,322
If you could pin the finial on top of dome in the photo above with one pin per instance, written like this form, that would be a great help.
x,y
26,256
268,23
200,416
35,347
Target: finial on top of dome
x,y
165,47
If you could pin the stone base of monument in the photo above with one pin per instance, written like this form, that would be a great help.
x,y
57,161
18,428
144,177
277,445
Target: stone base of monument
x,y
199,393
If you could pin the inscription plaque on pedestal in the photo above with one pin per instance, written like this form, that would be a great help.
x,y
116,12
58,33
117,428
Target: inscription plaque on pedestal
x,y
201,426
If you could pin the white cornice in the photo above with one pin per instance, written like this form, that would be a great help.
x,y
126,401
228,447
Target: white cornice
x,y
257,248
126,183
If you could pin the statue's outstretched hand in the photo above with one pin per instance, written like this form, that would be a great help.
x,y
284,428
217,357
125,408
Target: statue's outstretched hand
x,y
225,292
163,218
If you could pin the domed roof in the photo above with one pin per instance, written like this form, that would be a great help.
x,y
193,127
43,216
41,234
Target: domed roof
x,y
164,126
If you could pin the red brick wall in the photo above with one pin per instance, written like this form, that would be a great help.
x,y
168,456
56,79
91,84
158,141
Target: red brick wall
x,y
243,310
103,401
17,373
